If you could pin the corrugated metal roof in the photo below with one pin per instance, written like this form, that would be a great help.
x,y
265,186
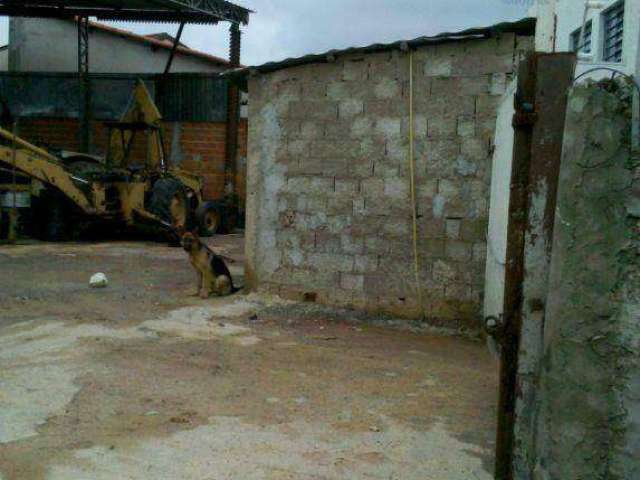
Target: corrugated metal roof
x,y
174,11
526,26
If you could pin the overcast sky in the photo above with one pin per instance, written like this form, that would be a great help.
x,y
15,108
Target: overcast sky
x,y
285,28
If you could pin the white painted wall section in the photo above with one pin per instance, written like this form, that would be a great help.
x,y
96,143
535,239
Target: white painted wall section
x,y
499,206
45,45
546,25
569,17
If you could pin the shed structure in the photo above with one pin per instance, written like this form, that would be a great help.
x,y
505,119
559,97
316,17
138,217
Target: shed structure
x,y
172,11
330,209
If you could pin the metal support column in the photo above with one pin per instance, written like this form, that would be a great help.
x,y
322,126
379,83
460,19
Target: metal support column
x,y
13,213
85,84
233,112
509,332
554,78
172,55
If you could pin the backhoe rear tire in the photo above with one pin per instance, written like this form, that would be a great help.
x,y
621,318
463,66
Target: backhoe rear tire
x,y
169,202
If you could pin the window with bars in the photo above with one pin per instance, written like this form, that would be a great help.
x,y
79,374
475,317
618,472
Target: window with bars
x,y
613,22
575,39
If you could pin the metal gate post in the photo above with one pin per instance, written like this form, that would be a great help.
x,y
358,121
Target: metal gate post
x,y
541,100
554,78
510,336
233,113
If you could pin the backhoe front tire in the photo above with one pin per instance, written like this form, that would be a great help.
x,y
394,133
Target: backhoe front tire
x,y
169,202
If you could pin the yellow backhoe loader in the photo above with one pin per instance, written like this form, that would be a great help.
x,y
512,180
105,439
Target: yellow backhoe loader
x,y
116,187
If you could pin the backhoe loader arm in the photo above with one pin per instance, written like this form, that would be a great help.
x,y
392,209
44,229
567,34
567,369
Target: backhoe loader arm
x,y
143,110
41,165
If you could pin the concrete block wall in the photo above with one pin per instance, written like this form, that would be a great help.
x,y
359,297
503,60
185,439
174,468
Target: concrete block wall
x,y
198,147
328,201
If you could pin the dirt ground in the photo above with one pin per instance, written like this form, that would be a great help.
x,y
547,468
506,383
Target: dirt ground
x,y
143,380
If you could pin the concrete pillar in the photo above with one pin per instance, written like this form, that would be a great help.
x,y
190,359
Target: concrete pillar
x,y
635,126
546,26
589,417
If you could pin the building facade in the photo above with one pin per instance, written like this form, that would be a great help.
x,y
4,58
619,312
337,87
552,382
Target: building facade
x,y
112,50
611,36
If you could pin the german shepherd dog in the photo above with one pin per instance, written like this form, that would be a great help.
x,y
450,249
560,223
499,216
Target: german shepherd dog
x,y
213,275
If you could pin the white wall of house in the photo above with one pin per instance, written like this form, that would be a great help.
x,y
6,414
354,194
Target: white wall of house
x,y
569,19
46,45
499,211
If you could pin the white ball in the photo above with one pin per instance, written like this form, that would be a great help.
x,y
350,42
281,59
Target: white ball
x,y
99,280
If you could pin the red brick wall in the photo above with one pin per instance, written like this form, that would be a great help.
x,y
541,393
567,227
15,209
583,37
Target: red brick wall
x,y
201,149
55,133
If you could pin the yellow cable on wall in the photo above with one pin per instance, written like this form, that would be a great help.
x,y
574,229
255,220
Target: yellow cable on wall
x,y
412,177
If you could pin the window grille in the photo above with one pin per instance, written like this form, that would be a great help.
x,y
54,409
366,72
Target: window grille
x,y
613,33
575,40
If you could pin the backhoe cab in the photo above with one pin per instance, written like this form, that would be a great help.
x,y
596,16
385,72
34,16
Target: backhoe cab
x,y
121,186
